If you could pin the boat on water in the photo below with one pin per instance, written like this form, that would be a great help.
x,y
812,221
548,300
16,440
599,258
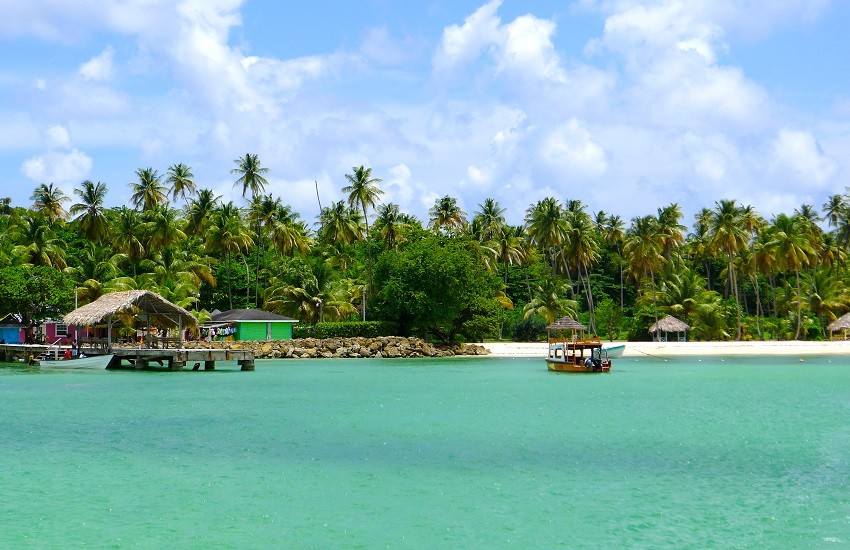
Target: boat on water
x,y
614,352
574,352
87,362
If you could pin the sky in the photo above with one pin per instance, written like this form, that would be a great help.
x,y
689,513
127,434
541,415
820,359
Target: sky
x,y
627,105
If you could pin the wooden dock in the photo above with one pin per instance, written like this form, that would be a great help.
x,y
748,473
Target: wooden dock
x,y
176,359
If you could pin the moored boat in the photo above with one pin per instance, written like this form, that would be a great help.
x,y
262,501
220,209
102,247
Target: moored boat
x,y
87,362
614,352
575,352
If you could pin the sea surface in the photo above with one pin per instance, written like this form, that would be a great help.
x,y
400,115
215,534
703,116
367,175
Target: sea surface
x,y
459,453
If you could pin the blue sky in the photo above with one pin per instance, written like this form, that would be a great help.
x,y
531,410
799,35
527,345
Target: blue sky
x,y
628,105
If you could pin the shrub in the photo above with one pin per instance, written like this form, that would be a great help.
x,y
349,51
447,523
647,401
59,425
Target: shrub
x,y
530,330
364,329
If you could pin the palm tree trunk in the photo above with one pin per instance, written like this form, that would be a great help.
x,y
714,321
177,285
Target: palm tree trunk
x,y
799,307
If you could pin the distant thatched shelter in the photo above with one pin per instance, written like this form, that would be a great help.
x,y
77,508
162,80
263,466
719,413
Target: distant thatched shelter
x,y
842,323
667,325
143,304
566,323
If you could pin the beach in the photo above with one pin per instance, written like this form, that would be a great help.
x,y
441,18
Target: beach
x,y
689,349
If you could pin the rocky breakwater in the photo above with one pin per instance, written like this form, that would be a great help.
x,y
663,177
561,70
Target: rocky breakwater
x,y
327,348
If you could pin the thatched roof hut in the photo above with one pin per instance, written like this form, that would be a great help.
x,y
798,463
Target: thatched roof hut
x,y
842,323
134,302
667,325
566,323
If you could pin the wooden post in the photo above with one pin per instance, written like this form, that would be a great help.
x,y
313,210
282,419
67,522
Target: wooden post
x,y
246,364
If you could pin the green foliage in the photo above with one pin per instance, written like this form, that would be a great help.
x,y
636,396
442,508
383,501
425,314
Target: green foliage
x,y
355,329
437,284
35,292
532,329
608,317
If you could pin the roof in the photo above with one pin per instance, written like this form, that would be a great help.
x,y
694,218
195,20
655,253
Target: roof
x,y
669,324
566,323
841,323
235,315
131,302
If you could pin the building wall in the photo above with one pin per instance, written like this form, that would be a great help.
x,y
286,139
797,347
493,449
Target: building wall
x,y
12,335
259,330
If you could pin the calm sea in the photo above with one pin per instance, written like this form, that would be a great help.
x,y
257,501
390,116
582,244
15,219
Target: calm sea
x,y
462,453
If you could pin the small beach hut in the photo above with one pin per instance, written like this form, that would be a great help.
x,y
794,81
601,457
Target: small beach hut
x,y
252,324
660,330
842,323
565,325
12,329
132,304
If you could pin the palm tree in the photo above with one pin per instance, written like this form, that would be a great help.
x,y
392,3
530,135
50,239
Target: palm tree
x,y
489,221
127,236
728,234
670,231
546,227
339,224
791,244
446,214
38,245
834,209
364,192
613,233
182,181
581,249
47,200
199,210
228,235
389,224
250,175
164,228
90,213
508,247
643,252
548,304
289,234
148,192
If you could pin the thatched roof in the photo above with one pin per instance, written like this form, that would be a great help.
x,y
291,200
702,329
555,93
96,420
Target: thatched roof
x,y
669,324
841,323
566,323
131,302
234,315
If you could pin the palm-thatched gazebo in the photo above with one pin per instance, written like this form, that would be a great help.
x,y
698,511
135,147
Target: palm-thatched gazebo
x,y
565,324
662,328
136,304
842,323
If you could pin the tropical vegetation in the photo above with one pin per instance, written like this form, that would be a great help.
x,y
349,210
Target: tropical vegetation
x,y
730,275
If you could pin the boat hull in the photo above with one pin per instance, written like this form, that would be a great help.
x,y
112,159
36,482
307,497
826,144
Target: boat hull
x,y
614,352
561,366
96,362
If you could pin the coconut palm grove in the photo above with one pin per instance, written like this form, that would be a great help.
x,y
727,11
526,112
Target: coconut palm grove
x,y
729,273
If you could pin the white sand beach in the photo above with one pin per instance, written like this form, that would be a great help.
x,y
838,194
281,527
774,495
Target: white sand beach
x,y
694,349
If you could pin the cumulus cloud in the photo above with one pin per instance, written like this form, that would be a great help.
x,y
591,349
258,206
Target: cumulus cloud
x,y
523,46
98,68
797,155
572,149
61,163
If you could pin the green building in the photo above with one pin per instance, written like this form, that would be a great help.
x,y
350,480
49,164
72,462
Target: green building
x,y
251,325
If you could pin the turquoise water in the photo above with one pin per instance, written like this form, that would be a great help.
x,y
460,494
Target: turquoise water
x,y
455,453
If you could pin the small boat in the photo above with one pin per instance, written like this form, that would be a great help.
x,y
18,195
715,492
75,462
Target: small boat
x,y
614,352
576,352
87,362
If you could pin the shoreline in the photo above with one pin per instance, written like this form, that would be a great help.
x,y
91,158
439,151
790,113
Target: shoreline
x,y
789,348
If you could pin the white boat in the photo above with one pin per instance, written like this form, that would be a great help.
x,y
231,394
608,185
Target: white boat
x,y
87,362
615,352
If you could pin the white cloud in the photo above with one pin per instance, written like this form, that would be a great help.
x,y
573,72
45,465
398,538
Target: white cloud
x,y
62,168
98,68
464,43
796,155
57,137
571,148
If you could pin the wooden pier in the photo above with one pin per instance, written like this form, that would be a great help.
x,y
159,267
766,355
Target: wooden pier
x,y
138,358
